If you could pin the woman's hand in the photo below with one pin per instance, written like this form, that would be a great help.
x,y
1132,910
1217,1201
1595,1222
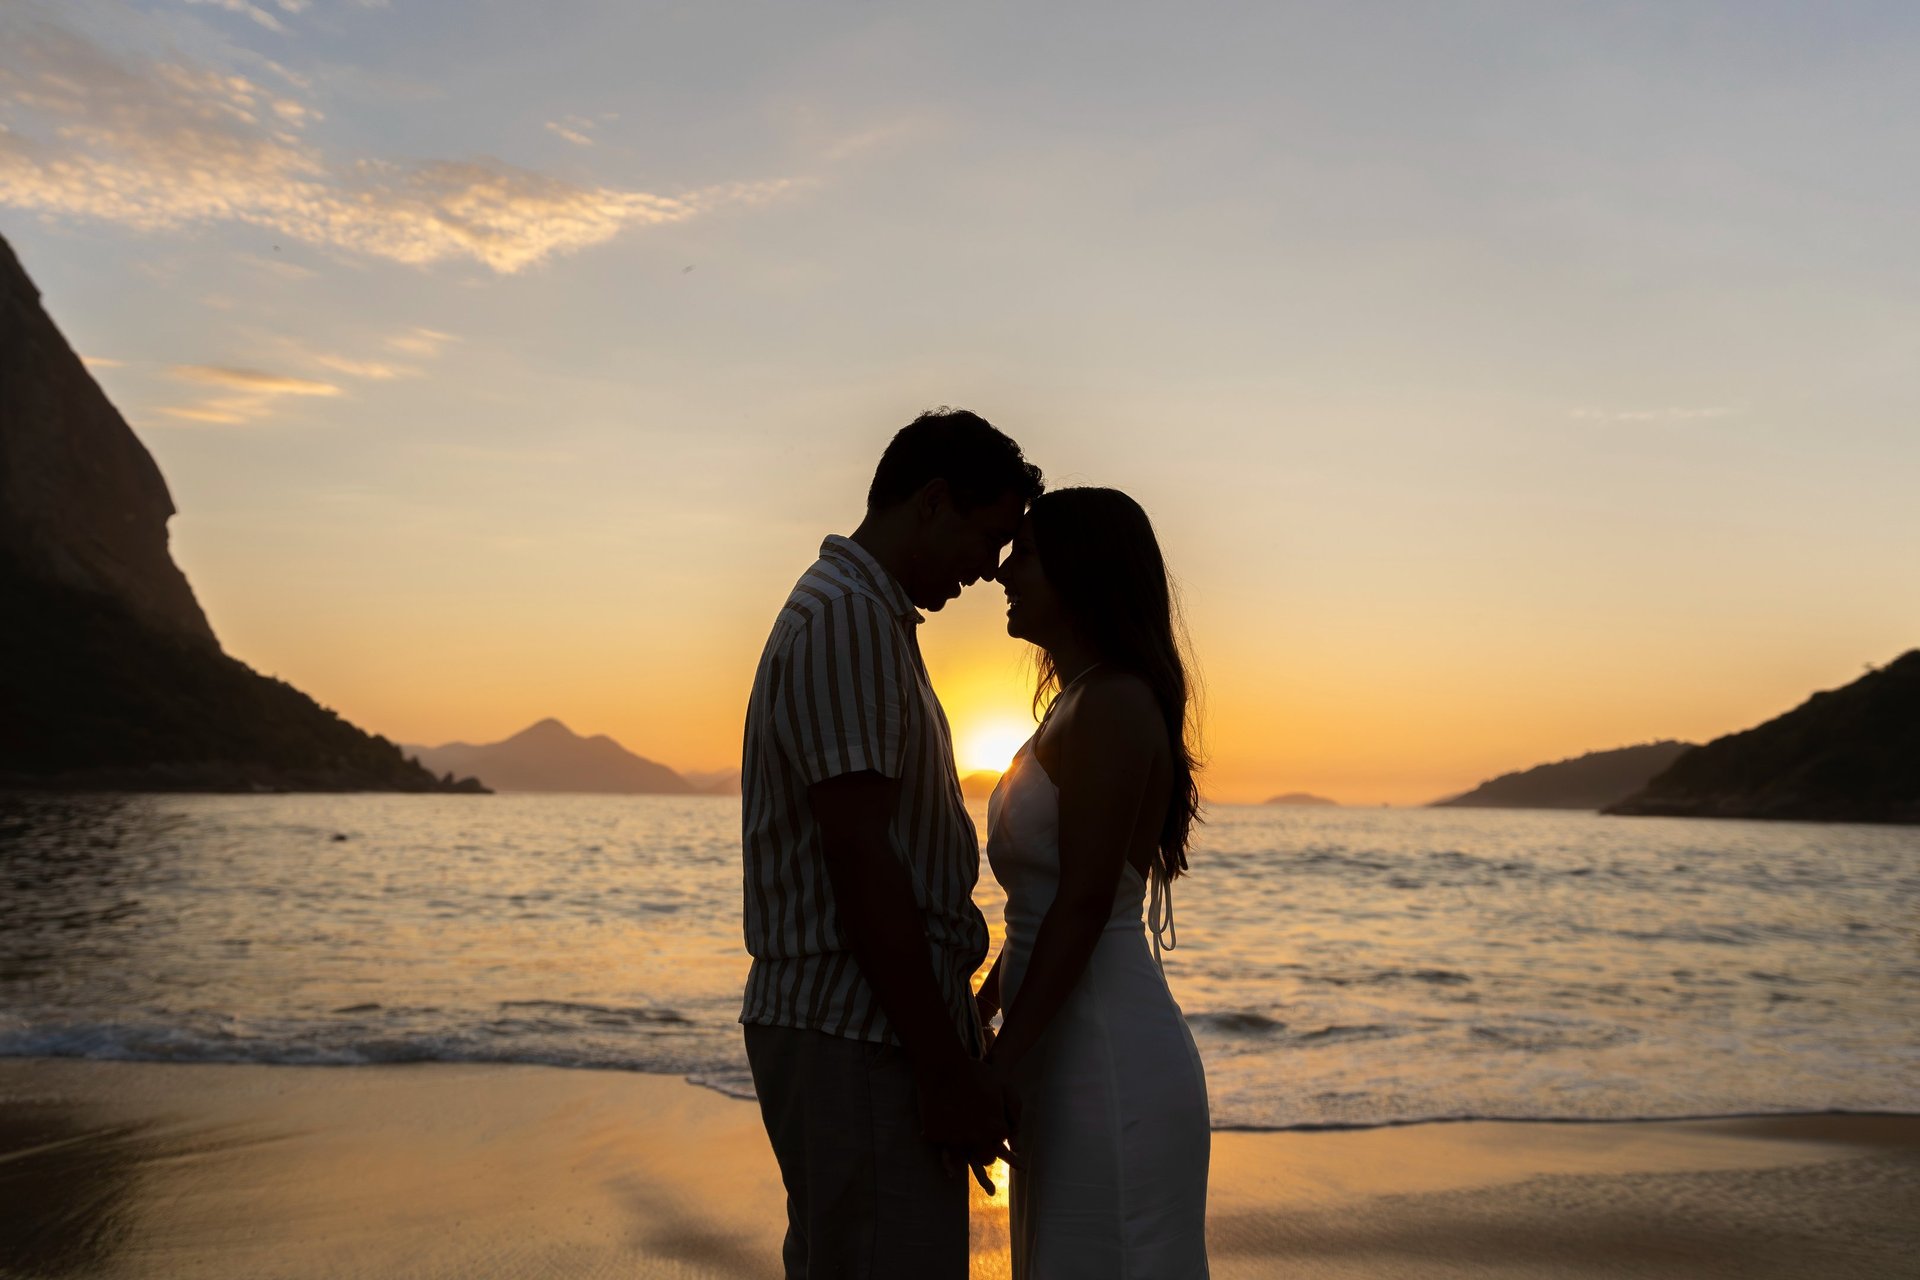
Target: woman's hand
x,y
988,1009
986,1003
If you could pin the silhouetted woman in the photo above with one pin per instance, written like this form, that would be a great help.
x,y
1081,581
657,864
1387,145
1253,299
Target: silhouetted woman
x,y
1092,817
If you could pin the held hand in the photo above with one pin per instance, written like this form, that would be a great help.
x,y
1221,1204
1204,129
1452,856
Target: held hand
x,y
987,1009
962,1106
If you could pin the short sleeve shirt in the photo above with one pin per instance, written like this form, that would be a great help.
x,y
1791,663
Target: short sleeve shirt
x,y
841,688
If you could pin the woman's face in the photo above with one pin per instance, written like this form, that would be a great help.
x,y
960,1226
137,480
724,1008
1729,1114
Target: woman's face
x,y
1034,611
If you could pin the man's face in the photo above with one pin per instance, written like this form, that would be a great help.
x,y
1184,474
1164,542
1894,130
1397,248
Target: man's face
x,y
959,548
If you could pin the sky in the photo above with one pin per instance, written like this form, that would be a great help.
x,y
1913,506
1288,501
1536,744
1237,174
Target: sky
x,y
1505,381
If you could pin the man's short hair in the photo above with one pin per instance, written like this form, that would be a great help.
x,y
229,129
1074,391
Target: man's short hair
x,y
980,464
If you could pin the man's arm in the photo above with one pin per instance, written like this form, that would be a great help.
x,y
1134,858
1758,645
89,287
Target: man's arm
x,y
961,1106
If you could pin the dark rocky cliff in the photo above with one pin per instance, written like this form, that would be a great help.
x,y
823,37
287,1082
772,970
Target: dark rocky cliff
x,y
110,676
1846,755
81,501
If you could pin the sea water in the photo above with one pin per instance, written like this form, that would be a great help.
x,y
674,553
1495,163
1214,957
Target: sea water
x,y
1337,966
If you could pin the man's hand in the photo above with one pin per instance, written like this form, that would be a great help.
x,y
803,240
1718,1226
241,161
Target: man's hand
x,y
964,1111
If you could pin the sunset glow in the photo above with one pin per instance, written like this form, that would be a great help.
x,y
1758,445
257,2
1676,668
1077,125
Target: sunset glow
x,y
485,399
990,746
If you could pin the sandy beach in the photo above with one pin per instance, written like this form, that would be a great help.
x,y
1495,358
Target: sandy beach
x,y
437,1170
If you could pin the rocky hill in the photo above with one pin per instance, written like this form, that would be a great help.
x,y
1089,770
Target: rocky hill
x,y
82,503
1846,755
548,756
1591,781
110,676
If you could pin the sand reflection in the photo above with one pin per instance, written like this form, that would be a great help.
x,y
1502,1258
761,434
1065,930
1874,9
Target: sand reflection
x,y
992,1255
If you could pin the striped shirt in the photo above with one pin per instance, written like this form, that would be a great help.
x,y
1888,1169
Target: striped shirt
x,y
841,688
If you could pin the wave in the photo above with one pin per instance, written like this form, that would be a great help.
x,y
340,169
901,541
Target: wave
x,y
133,1042
492,1043
1651,1117
1244,1022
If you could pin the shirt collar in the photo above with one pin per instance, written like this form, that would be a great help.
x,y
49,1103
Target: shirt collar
x,y
850,554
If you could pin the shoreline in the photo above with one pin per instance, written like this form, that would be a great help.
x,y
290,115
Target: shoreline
x,y
113,1169
693,1080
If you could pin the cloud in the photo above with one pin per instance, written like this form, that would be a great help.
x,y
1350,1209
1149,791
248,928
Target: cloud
x,y
574,129
273,264
258,13
854,144
1671,414
247,395
217,412
420,342
275,384
372,369
156,145
101,362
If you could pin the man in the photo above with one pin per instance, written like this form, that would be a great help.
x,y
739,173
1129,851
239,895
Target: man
x,y
860,862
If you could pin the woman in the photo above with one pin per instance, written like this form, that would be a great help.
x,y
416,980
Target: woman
x,y
1093,816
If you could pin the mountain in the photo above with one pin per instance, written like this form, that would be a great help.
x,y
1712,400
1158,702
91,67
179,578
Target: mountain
x,y
1591,781
548,756
1302,798
1845,755
110,674
714,782
979,784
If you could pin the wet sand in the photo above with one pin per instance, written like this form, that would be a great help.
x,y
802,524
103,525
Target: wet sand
x,y
435,1170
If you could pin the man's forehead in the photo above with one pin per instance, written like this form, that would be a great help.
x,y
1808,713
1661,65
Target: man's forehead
x,y
1002,518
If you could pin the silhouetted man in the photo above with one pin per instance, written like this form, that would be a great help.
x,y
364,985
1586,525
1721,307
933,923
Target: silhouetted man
x,y
860,862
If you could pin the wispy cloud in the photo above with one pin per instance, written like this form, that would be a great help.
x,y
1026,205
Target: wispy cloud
x,y
277,384
880,136
420,342
224,413
1668,414
259,13
574,129
101,362
274,265
245,395
376,370
158,145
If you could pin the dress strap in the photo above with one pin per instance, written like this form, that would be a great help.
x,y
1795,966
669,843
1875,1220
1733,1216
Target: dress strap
x,y
1160,912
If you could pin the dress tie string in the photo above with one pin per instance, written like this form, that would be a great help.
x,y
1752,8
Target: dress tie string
x,y
1160,912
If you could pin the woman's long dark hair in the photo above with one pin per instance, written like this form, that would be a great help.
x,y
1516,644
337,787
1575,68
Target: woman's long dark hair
x,y
1098,551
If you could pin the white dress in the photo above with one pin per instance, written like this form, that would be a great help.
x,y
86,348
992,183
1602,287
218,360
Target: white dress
x,y
1113,1137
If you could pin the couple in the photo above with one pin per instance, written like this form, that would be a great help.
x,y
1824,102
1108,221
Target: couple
x,y
878,1081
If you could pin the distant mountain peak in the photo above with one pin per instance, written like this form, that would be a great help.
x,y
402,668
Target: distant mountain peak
x,y
548,756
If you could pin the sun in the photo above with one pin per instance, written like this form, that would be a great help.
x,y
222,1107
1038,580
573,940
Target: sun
x,y
989,746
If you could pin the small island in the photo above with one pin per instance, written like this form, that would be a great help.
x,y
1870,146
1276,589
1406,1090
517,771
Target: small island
x,y
1302,798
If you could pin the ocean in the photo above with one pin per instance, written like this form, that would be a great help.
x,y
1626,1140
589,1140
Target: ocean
x,y
1337,966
